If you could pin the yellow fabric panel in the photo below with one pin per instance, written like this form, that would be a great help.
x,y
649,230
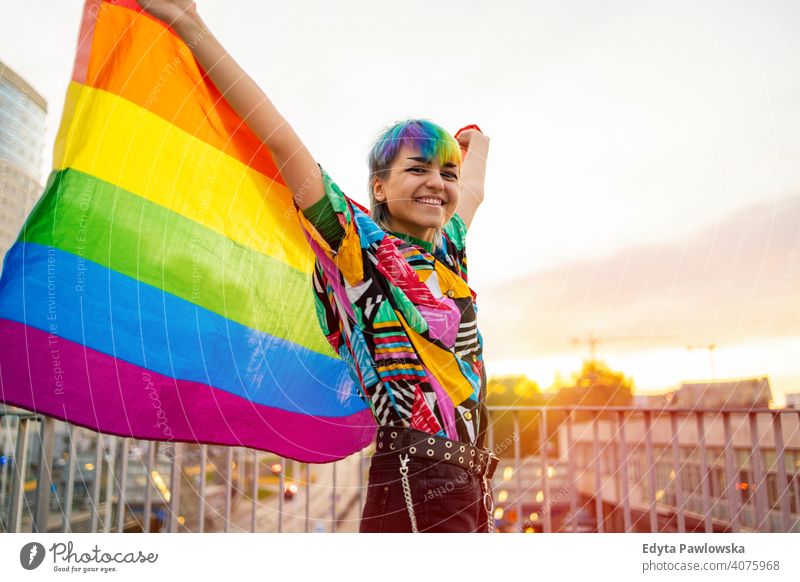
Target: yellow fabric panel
x,y
348,258
442,364
448,280
144,154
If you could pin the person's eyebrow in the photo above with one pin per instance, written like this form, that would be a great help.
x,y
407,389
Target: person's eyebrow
x,y
424,161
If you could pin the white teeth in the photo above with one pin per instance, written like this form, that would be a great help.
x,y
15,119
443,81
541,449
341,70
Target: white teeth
x,y
431,201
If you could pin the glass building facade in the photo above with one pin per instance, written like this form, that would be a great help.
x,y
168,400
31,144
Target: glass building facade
x,y
23,115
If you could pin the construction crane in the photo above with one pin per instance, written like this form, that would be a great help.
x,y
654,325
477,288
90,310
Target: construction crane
x,y
592,340
710,348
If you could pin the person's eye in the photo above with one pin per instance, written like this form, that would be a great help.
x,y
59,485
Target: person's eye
x,y
450,175
415,168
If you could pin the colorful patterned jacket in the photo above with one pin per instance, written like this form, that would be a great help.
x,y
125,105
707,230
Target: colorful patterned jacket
x,y
403,319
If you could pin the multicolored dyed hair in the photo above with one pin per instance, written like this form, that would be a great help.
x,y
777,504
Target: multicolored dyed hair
x,y
427,137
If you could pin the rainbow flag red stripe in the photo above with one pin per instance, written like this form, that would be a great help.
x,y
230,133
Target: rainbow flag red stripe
x,y
161,287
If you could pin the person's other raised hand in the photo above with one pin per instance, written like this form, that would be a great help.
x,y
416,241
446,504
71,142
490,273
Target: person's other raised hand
x,y
469,136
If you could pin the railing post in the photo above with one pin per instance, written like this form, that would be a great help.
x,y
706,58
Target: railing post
x,y
175,474
731,473
796,478
241,462
517,477
18,475
112,453
548,526
782,485
705,485
281,489
6,452
573,484
759,495
677,467
333,499
361,458
99,451
44,480
148,484
307,488
651,474
122,501
69,485
228,477
255,492
598,481
623,454
201,519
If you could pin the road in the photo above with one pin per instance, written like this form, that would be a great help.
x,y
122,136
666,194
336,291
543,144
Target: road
x,y
320,515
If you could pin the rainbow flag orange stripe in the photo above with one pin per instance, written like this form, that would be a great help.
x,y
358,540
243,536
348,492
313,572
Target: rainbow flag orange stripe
x,y
161,287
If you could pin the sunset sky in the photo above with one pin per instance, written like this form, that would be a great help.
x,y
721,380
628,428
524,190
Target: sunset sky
x,y
644,172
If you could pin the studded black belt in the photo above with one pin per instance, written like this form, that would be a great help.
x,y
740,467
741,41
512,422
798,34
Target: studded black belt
x,y
416,443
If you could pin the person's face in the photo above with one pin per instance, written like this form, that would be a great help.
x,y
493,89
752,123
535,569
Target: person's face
x,y
421,195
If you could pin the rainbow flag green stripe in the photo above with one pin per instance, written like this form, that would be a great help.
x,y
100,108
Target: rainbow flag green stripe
x,y
100,222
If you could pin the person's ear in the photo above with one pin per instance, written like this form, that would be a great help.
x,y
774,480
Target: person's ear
x,y
378,191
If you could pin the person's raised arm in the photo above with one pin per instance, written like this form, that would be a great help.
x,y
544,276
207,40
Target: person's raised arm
x,y
295,163
475,146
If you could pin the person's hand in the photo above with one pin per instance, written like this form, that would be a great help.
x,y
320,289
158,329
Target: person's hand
x,y
168,11
470,137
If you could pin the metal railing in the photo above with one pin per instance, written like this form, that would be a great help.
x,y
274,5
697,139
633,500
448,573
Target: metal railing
x,y
635,469
563,468
104,483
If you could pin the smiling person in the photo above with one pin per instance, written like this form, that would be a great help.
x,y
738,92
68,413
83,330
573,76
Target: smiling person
x,y
392,295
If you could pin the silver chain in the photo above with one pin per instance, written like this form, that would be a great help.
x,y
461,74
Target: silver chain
x,y
407,492
488,504
488,500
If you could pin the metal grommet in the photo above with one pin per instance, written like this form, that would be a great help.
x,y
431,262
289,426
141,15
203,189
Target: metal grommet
x,y
430,452
380,432
480,456
380,445
461,448
431,441
450,293
391,446
461,459
472,452
478,468
412,450
394,434
447,456
471,464
448,444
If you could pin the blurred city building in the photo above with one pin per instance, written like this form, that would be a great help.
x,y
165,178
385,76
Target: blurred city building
x,y
736,393
23,114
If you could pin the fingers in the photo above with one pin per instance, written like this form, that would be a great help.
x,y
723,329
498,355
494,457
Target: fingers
x,y
467,128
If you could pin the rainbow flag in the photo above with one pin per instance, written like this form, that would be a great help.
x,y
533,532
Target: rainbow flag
x,y
161,287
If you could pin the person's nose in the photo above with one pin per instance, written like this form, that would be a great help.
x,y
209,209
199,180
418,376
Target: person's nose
x,y
435,181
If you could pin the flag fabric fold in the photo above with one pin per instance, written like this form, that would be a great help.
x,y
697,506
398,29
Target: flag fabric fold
x,y
162,286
